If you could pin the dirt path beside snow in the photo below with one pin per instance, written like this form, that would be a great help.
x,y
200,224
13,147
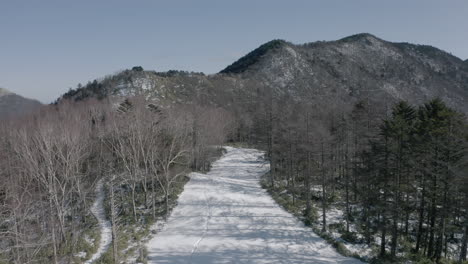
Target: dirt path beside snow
x,y
226,217
104,225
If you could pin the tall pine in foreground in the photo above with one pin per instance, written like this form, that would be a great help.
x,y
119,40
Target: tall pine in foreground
x,y
441,146
415,169
399,131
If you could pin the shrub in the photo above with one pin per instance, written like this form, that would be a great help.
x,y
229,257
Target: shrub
x,y
350,237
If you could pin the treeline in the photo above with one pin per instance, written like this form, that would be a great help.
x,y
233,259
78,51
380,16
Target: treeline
x,y
399,173
51,161
416,171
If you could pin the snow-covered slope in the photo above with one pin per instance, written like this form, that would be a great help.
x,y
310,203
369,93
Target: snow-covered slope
x,y
226,217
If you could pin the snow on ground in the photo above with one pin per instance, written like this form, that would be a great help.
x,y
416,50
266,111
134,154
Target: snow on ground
x,y
104,225
226,217
80,254
337,216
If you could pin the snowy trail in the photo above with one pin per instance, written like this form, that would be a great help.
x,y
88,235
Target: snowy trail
x,y
226,217
104,225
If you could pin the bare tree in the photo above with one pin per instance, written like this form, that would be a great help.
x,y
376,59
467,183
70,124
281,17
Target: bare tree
x,y
171,157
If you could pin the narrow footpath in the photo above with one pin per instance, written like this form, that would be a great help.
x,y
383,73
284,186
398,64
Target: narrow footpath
x,y
105,227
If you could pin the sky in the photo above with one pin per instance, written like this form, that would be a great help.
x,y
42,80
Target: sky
x,y
50,46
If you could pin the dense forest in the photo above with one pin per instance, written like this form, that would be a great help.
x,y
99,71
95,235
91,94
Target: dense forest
x,y
398,174
50,162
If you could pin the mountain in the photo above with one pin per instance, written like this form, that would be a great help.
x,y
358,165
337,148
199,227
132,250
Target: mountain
x,y
12,104
359,66
341,72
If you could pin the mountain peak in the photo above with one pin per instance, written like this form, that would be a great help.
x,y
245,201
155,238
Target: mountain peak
x,y
360,37
254,56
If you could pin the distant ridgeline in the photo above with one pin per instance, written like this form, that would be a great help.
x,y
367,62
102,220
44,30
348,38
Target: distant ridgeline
x,y
12,104
346,71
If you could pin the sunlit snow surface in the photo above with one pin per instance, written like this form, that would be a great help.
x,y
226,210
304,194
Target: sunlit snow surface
x,y
226,217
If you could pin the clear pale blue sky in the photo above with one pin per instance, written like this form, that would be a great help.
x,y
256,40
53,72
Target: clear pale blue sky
x,y
49,46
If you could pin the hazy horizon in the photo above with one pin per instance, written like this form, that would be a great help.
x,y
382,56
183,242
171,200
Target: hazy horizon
x,y
51,46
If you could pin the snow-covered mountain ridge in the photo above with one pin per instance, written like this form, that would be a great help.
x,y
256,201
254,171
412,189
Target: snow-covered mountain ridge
x,y
343,71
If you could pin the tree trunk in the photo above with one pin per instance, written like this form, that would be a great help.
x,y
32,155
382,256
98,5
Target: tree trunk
x,y
393,246
17,246
134,203
430,246
464,244
421,217
324,195
294,189
348,211
153,197
54,239
113,222
407,215
441,235
383,234
145,190
384,201
270,149
307,187
166,199
396,198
